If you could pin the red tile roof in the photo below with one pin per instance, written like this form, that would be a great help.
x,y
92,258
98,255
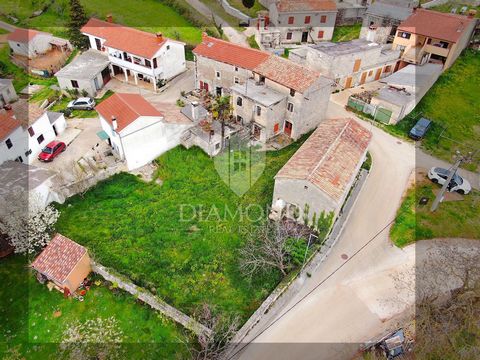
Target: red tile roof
x,y
443,26
125,38
126,108
287,73
59,258
306,5
23,35
7,124
330,156
229,53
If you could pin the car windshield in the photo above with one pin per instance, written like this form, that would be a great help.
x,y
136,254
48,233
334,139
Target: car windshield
x,y
47,150
444,172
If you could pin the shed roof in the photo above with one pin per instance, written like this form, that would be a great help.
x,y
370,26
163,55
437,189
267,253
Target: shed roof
x,y
8,123
59,258
126,108
229,53
330,157
259,93
4,83
24,35
435,24
389,11
306,5
85,67
345,47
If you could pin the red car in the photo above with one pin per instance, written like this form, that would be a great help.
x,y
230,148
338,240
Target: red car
x,y
52,150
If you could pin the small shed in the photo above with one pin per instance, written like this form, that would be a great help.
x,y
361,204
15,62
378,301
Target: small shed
x,y
64,262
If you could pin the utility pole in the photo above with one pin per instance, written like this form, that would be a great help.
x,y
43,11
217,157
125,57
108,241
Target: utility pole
x,y
452,172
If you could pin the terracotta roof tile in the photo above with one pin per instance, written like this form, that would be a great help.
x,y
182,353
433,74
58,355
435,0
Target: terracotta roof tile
x,y
287,73
59,258
229,53
306,5
126,108
7,124
125,38
329,157
23,35
443,26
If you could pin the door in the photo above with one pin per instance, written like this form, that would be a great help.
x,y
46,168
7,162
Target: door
x,y
55,130
362,79
348,83
305,36
219,91
288,128
98,43
106,75
378,74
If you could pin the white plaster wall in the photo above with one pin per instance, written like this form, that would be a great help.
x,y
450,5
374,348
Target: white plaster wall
x,y
172,61
88,85
8,94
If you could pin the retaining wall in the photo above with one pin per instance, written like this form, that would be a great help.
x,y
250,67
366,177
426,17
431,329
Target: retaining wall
x,y
234,12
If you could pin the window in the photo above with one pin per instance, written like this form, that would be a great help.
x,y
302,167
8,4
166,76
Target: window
x,y
40,139
370,73
405,35
137,60
323,19
217,146
291,20
259,111
27,153
307,19
236,68
168,47
292,92
275,128
30,131
9,144
387,69
289,36
148,63
236,80
19,159
155,63
239,101
239,119
290,107
320,34
75,84
217,74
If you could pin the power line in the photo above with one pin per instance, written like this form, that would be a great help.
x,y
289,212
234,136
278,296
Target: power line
x,y
315,288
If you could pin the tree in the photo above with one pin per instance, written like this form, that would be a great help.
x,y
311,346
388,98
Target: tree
x,y
27,222
273,245
222,110
93,339
248,3
78,18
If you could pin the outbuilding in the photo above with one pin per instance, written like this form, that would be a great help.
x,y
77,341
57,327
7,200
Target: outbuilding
x,y
88,72
7,92
63,262
319,176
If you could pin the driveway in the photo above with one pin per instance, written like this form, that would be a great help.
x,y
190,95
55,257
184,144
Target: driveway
x,y
352,305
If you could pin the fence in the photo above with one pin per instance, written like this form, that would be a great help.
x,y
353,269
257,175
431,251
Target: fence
x,y
378,113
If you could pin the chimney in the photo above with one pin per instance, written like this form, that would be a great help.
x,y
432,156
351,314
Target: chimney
x,y
159,36
114,123
194,110
109,18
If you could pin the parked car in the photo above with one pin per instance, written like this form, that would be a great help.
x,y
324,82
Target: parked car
x,y
420,129
51,151
83,103
439,176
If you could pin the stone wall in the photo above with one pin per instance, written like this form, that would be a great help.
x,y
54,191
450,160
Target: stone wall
x,y
234,12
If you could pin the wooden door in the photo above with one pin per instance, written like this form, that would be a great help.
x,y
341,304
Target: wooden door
x,y
348,83
378,74
357,64
362,79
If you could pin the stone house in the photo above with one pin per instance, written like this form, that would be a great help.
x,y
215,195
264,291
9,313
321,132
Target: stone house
x,y
383,17
63,262
349,63
221,64
321,173
7,92
136,55
299,21
88,72
351,11
431,36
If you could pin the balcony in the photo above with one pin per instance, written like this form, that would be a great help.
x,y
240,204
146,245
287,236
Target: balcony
x,y
132,66
437,50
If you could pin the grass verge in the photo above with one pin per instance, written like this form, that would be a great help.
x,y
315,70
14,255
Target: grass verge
x,y
346,32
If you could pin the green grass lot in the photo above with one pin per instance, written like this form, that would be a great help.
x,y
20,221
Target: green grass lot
x,y
218,9
452,218
252,42
137,228
3,31
346,32
154,16
252,12
62,105
29,325
454,105
455,4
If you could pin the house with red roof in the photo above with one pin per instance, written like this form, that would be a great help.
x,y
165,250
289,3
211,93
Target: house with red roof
x,y
298,21
136,55
319,176
63,262
431,36
32,43
136,130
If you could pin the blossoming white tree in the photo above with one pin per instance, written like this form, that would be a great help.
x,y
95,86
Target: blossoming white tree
x,y
26,221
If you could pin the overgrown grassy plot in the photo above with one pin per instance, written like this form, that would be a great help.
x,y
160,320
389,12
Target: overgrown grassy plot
x,y
34,319
180,240
346,32
453,219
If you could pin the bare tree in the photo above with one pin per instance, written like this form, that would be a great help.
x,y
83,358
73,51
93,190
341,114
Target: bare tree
x,y
272,246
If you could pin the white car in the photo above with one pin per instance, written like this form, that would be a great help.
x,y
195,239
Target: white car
x,y
83,103
458,184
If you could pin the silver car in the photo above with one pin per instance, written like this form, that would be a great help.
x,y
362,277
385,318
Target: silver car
x,y
83,103
439,176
